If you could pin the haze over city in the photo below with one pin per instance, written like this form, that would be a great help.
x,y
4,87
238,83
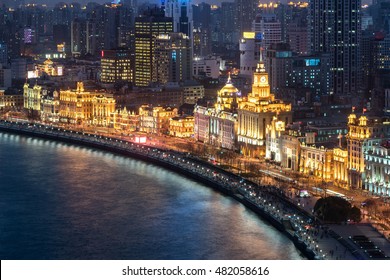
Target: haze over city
x,y
51,2
218,2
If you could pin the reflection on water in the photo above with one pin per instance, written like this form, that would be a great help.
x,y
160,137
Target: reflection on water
x,y
64,202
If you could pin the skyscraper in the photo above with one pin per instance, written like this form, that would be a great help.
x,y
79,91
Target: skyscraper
x,y
3,53
229,28
202,29
147,28
78,43
250,45
131,4
335,29
268,25
181,13
116,66
172,58
278,62
246,12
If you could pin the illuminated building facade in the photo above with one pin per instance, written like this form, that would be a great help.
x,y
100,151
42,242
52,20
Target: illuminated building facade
x,y
291,149
274,132
155,119
227,97
317,161
340,167
363,134
182,127
116,66
81,107
49,67
223,130
218,126
147,28
377,169
61,49
256,111
172,58
103,105
50,107
124,120
32,97
202,123
10,101
76,105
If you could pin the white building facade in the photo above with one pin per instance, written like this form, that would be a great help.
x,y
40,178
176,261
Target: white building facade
x,y
377,169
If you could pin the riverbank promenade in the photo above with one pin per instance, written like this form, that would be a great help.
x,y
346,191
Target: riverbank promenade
x,y
338,239
313,239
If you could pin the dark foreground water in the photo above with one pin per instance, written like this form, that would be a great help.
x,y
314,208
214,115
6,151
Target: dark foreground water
x,y
64,202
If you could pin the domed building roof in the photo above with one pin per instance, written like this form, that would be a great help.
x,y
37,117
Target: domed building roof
x,y
228,90
227,96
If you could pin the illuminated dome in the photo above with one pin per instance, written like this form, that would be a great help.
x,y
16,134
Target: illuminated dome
x,y
227,96
228,90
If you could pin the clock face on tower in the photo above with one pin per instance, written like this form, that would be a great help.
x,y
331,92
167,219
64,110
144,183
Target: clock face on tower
x,y
263,79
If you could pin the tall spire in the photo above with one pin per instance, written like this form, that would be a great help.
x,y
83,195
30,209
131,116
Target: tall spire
x,y
261,54
229,80
260,65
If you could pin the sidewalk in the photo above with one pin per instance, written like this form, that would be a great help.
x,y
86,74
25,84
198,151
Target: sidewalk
x,y
347,231
335,240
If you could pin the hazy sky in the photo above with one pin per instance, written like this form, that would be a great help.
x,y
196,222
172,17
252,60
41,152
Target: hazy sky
x,y
52,2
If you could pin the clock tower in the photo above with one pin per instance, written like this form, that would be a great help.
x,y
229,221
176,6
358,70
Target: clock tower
x,y
257,111
260,88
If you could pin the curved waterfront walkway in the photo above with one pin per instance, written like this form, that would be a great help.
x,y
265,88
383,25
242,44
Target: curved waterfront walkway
x,y
314,240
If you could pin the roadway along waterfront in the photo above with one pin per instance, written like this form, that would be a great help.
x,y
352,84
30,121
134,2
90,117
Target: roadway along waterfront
x,y
267,201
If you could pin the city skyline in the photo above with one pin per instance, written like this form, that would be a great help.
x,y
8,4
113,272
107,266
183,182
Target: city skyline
x,y
217,2
50,2
266,103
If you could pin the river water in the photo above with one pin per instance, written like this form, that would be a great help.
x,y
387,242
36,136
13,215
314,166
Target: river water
x,y
59,201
